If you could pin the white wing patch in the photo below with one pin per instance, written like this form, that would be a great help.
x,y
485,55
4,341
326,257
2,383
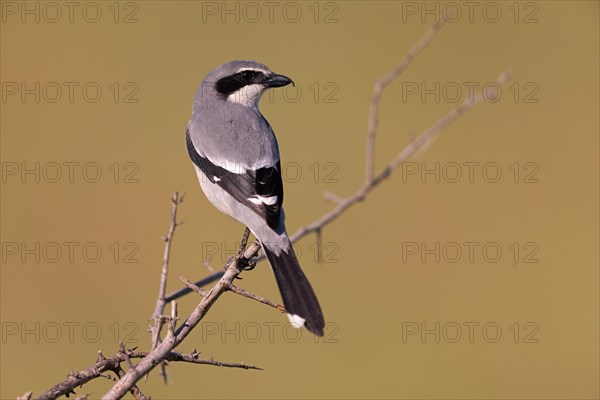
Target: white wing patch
x,y
236,168
296,321
216,179
258,200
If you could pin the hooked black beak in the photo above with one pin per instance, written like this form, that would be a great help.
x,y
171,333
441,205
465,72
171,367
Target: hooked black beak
x,y
276,80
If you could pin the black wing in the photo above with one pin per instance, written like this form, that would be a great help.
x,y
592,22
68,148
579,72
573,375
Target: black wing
x,y
260,190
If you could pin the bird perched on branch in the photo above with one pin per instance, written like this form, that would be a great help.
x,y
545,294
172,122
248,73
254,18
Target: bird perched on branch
x,y
236,157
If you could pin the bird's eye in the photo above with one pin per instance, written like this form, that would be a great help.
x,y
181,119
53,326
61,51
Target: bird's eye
x,y
248,75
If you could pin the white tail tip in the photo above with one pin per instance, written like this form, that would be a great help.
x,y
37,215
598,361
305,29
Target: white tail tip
x,y
296,321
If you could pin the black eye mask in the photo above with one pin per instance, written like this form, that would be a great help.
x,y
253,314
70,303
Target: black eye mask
x,y
234,82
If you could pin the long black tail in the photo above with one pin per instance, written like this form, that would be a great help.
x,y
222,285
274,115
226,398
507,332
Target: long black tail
x,y
298,296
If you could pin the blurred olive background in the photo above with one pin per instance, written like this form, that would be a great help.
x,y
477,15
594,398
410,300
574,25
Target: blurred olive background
x,y
406,319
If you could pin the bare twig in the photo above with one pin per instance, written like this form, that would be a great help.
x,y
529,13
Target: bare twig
x,y
243,243
123,351
159,309
208,265
256,297
193,358
381,84
332,197
193,286
406,153
202,282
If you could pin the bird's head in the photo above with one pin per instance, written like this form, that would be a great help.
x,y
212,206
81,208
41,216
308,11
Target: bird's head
x,y
241,82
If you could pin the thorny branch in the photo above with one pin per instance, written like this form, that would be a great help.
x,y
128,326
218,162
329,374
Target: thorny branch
x,y
175,337
163,350
113,364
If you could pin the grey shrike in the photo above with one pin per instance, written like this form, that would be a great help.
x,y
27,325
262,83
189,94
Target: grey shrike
x,y
236,157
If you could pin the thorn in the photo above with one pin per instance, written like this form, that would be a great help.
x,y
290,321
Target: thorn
x,y
109,377
26,396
